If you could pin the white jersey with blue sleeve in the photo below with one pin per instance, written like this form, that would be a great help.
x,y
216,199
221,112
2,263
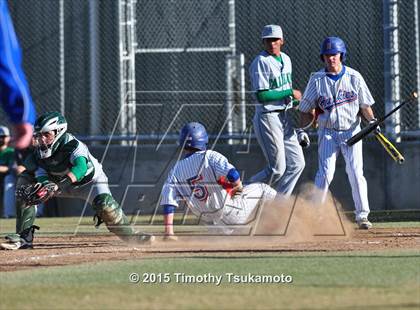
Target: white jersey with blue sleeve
x,y
197,180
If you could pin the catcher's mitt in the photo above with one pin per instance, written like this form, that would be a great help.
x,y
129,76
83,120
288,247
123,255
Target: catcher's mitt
x,y
35,194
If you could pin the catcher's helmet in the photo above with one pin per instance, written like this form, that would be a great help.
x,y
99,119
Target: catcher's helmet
x,y
332,46
50,121
193,135
4,131
4,136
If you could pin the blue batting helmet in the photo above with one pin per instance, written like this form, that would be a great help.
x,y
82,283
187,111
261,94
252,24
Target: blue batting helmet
x,y
193,135
332,46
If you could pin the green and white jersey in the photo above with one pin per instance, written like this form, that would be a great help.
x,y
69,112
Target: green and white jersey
x,y
59,164
7,158
271,73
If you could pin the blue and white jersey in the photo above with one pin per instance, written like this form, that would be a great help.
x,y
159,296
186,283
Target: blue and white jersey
x,y
268,73
194,179
339,100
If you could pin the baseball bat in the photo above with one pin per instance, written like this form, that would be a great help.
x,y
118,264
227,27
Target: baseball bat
x,y
371,127
390,148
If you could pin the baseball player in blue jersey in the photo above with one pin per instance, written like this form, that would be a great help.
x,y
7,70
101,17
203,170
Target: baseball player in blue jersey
x,y
271,80
341,94
14,91
210,185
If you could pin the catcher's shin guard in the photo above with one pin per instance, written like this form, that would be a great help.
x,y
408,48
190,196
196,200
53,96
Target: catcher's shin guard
x,y
25,216
110,212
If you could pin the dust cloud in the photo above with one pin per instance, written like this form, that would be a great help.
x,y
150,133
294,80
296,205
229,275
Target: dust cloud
x,y
297,219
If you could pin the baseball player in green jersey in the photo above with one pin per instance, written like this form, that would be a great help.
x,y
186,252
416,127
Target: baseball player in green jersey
x,y
62,166
271,80
7,173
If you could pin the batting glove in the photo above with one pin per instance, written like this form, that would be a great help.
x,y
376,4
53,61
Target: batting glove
x,y
303,138
377,129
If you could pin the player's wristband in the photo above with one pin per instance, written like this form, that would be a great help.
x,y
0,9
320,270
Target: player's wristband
x,y
233,175
168,209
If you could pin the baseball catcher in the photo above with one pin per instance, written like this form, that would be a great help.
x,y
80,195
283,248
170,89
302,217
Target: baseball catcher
x,y
61,165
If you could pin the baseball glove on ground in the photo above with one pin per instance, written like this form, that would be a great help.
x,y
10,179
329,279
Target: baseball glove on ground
x,y
37,193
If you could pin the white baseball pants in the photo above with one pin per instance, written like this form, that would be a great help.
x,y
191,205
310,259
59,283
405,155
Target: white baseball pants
x,y
330,143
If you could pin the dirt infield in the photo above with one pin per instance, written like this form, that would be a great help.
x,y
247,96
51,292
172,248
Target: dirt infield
x,y
296,226
66,250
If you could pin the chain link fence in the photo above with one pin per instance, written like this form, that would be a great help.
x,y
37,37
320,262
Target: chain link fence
x,y
409,62
181,64
37,27
69,57
187,56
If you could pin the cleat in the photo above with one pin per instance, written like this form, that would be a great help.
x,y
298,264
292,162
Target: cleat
x,y
137,237
22,244
145,238
364,223
12,238
20,241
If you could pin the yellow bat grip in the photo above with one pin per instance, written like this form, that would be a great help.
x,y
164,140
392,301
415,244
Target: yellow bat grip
x,y
390,148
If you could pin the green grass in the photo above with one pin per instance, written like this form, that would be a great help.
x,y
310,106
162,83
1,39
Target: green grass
x,y
397,225
357,279
343,280
68,225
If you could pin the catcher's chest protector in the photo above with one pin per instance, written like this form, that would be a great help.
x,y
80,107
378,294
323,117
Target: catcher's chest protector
x,y
59,164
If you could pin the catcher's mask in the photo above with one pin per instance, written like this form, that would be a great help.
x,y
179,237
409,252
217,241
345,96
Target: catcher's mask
x,y
49,129
4,136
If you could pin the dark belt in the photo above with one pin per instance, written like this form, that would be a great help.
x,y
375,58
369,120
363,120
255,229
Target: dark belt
x,y
276,111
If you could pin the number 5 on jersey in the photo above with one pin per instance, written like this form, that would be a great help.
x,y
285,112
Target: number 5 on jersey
x,y
199,190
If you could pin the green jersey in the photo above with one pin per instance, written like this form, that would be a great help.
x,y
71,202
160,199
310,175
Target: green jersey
x,y
7,158
56,167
